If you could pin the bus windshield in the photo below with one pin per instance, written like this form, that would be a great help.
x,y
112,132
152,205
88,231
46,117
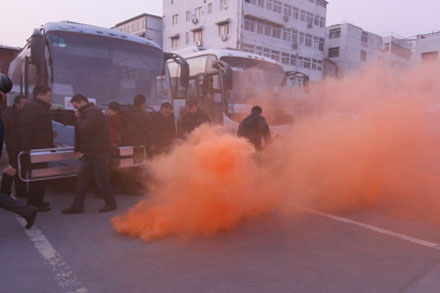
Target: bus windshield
x,y
103,68
253,79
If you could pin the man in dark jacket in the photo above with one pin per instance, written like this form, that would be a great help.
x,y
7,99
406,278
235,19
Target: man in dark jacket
x,y
36,133
163,129
92,142
254,127
135,124
11,119
113,114
191,118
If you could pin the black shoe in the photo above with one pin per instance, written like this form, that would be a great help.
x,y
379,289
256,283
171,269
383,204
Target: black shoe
x,y
31,219
108,208
73,210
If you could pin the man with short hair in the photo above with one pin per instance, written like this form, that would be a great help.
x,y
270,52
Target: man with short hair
x,y
92,142
163,130
255,128
11,120
37,133
191,118
135,124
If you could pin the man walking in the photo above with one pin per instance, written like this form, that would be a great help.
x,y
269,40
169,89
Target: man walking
x,y
36,133
254,127
92,142
191,118
163,129
11,120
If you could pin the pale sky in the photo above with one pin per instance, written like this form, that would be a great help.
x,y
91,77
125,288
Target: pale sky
x,y
19,17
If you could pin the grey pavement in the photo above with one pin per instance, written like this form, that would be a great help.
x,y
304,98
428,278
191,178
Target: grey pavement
x,y
301,253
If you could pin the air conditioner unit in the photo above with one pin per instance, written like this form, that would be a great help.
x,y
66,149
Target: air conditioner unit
x,y
199,43
195,20
286,18
309,25
294,46
225,38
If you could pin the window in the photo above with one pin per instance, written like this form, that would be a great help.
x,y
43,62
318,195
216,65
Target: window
x,y
174,42
429,57
314,64
267,29
223,29
286,34
322,22
276,32
260,25
315,42
308,41
277,6
188,16
319,67
266,52
295,37
333,52
321,44
249,24
223,4
316,20
275,55
309,18
285,58
198,12
307,63
260,3
299,62
209,8
363,56
248,48
259,51
295,12
287,10
198,36
364,37
175,18
293,60
269,4
302,15
334,33
301,38
386,47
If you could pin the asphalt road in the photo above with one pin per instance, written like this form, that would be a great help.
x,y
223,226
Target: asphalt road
x,y
302,253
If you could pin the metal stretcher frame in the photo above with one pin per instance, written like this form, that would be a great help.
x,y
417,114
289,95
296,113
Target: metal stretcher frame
x,y
126,157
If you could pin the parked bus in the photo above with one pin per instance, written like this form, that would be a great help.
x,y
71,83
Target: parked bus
x,y
103,64
227,83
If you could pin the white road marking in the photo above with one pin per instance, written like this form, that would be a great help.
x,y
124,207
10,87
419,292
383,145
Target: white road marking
x,y
64,276
373,228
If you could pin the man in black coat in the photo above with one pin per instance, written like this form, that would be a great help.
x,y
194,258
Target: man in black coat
x,y
92,142
36,133
29,213
11,120
135,124
191,118
255,128
163,129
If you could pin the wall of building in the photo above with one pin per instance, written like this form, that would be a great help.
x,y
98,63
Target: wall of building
x,y
427,48
357,48
7,54
144,26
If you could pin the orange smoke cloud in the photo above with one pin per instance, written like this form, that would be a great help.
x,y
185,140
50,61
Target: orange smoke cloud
x,y
377,142
205,185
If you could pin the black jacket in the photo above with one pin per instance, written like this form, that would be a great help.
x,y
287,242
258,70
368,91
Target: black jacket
x,y
11,120
254,127
91,131
135,127
163,132
36,126
188,122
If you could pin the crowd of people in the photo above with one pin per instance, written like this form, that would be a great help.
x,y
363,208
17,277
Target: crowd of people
x,y
28,125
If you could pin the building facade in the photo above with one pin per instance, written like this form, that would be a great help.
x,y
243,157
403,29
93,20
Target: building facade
x,y
351,48
427,48
145,26
291,32
397,53
7,54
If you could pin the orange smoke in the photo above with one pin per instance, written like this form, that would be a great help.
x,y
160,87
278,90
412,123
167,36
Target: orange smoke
x,y
377,143
205,185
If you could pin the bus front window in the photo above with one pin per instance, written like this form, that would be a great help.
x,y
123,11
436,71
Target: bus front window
x,y
255,82
103,68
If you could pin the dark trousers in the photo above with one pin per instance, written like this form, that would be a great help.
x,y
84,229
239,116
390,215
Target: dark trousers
x,y
16,206
6,184
37,189
97,165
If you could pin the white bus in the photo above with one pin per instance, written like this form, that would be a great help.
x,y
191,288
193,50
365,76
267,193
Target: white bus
x,y
228,83
103,64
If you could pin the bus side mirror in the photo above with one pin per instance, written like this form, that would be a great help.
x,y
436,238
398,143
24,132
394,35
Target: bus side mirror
x,y
37,48
227,79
